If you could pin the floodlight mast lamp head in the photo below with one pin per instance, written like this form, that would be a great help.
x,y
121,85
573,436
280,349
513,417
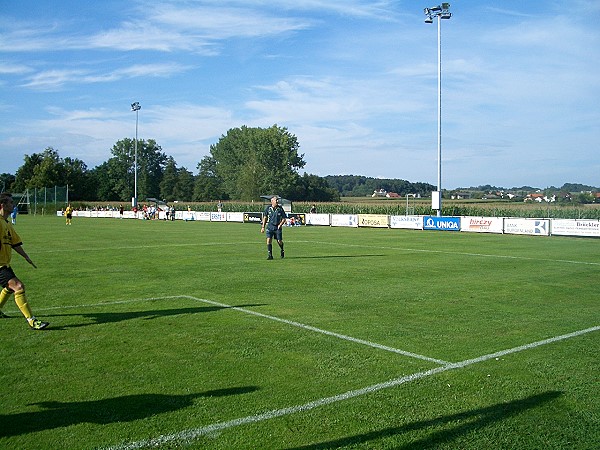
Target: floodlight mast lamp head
x,y
441,11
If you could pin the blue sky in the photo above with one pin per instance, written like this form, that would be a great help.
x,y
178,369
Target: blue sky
x,y
354,80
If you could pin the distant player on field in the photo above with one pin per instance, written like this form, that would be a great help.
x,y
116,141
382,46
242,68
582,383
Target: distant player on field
x,y
273,219
9,240
69,214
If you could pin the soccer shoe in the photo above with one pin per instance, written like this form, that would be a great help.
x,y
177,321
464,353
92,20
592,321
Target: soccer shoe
x,y
270,257
37,324
3,316
282,254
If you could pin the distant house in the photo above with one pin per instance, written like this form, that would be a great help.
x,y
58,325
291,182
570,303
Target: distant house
x,y
392,195
460,195
539,197
534,197
379,193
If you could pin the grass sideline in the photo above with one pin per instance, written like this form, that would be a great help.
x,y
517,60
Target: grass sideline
x,y
170,335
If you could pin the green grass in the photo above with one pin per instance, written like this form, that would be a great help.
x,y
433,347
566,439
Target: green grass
x,y
181,335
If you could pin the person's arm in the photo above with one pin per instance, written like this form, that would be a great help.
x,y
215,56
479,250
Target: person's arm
x,y
283,219
264,223
19,249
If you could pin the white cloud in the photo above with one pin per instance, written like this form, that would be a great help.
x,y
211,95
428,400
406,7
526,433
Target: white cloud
x,y
56,79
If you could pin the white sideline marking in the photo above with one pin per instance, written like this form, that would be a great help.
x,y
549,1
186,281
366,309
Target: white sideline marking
x,y
189,435
482,255
405,249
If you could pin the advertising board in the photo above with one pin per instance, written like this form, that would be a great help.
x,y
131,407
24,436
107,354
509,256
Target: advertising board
x,y
318,219
534,227
235,217
441,223
482,224
373,220
344,220
218,217
408,222
575,227
253,217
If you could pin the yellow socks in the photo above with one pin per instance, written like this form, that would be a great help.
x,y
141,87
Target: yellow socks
x,y
4,296
21,301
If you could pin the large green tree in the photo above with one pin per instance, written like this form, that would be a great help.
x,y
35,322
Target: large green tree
x,y
27,171
255,161
6,181
169,180
119,170
184,188
48,169
177,183
208,185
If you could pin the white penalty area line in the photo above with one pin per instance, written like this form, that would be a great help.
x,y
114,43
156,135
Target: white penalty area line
x,y
191,434
254,313
319,330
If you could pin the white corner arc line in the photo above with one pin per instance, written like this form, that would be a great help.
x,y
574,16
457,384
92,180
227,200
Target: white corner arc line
x,y
188,435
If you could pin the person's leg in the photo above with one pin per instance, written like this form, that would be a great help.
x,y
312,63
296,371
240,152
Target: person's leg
x,y
4,296
279,237
21,301
270,247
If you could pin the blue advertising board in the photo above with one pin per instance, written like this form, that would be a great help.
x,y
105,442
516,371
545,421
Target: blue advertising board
x,y
441,223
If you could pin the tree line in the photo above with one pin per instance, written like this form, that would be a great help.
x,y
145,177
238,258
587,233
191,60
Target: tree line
x,y
243,165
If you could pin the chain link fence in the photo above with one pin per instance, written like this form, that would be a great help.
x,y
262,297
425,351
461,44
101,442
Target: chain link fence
x,y
46,200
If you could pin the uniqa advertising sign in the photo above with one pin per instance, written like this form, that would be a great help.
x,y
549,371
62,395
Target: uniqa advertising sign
x,y
441,223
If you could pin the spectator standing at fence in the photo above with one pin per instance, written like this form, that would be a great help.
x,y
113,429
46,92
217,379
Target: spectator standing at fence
x,y
313,209
274,218
9,241
121,211
69,214
220,206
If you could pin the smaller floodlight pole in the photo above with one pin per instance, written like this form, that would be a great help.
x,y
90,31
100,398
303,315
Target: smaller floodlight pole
x,y
439,12
135,107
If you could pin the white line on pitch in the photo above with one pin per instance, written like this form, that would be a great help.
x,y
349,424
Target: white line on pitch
x,y
189,435
264,316
319,330
445,252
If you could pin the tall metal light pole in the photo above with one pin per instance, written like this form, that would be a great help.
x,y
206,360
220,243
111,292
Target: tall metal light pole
x,y
135,107
440,12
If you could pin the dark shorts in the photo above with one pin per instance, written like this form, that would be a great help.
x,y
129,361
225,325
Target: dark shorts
x,y
69,216
274,233
6,274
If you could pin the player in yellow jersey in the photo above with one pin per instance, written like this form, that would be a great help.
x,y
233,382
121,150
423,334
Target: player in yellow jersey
x,y
9,241
69,213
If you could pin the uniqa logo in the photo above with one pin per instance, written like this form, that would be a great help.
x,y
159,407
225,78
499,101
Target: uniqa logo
x,y
447,225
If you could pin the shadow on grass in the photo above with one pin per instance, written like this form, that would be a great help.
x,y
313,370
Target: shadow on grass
x,y
452,425
96,318
119,409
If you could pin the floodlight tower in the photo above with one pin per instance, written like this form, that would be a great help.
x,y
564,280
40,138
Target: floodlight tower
x,y
440,12
135,107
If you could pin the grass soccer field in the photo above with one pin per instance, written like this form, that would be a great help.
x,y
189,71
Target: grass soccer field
x,y
182,335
